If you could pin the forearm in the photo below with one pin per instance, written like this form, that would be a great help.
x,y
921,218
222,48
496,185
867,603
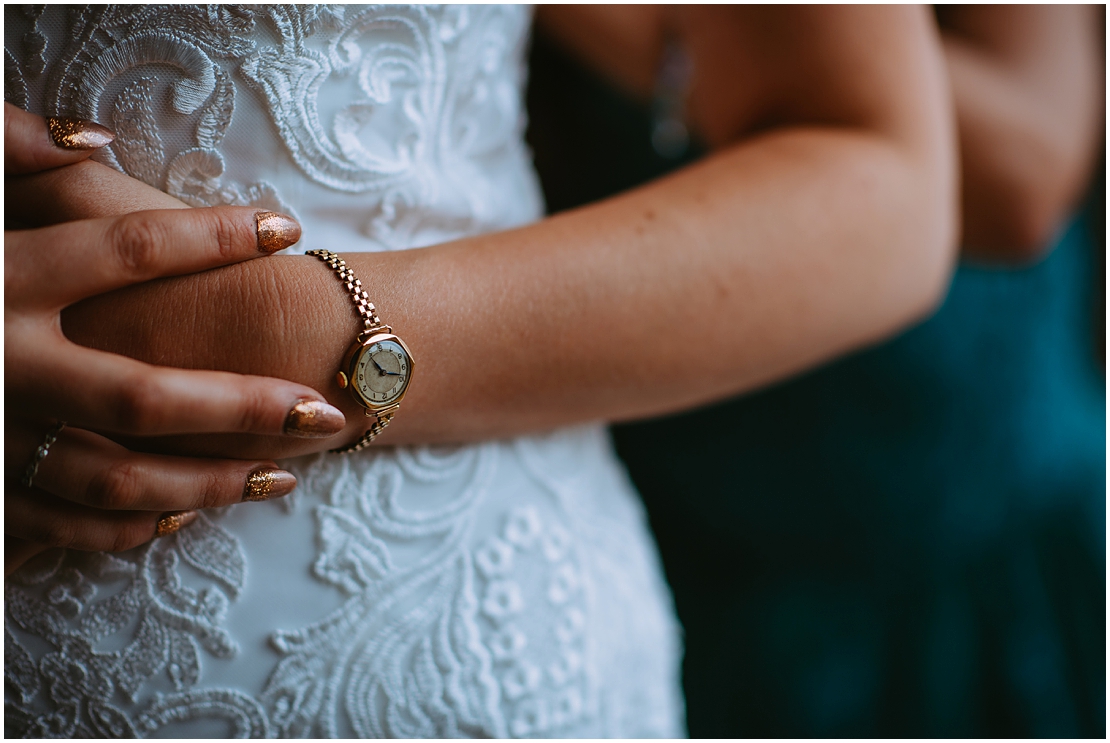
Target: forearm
x,y
766,260
1027,88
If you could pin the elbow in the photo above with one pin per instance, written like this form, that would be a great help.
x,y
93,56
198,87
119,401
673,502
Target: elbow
x,y
933,289
915,227
934,267
918,284
924,256
935,238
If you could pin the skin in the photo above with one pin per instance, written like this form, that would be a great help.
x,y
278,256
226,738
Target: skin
x,y
824,220
1029,91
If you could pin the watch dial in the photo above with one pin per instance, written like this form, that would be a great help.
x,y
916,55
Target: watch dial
x,y
382,372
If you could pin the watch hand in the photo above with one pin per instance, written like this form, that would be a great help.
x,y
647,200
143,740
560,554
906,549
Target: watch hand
x,y
382,371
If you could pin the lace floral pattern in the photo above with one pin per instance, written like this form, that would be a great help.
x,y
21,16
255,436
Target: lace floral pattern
x,y
118,63
503,589
55,599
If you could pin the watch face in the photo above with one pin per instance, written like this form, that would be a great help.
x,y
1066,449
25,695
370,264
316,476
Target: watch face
x,y
382,371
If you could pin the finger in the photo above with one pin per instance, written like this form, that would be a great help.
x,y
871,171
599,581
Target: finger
x,y
19,551
32,144
122,395
59,265
86,190
86,468
46,519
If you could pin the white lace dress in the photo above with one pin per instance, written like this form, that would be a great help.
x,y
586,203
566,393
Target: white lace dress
x,y
508,588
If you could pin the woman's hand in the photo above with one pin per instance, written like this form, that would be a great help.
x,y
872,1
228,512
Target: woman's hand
x,y
85,491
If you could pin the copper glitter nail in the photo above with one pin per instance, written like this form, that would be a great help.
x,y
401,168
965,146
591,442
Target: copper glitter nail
x,y
314,420
267,483
276,231
78,134
173,521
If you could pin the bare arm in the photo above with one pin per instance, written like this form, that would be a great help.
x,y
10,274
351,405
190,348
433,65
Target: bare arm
x,y
825,220
1028,86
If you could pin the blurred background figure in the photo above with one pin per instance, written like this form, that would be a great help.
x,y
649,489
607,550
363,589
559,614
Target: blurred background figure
x,y
909,541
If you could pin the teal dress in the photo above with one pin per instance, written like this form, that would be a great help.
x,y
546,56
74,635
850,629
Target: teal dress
x,y
907,542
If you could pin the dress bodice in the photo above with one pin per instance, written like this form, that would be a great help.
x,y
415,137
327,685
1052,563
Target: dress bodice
x,y
504,588
377,126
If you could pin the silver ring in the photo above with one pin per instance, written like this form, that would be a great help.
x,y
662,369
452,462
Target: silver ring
x,y
41,452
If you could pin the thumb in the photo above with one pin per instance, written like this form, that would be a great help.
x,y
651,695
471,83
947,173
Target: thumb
x,y
33,144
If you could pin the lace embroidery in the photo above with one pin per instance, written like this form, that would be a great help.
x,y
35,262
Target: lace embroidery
x,y
138,148
15,89
407,639
476,675
110,42
545,694
427,177
53,599
34,43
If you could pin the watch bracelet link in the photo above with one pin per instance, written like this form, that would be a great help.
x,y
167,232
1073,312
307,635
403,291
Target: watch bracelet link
x,y
363,305
371,322
380,422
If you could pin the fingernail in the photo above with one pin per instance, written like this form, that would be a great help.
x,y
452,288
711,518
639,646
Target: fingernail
x,y
314,420
267,483
276,231
173,521
78,134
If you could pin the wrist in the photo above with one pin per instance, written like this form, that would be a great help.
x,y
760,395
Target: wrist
x,y
377,366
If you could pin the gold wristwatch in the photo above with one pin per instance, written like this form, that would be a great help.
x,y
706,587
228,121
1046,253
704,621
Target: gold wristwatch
x,y
378,366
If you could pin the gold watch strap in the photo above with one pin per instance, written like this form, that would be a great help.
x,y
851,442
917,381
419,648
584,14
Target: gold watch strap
x,y
371,322
380,422
363,305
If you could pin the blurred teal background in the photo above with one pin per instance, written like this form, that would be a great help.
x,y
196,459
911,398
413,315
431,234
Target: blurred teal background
x,y
907,542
